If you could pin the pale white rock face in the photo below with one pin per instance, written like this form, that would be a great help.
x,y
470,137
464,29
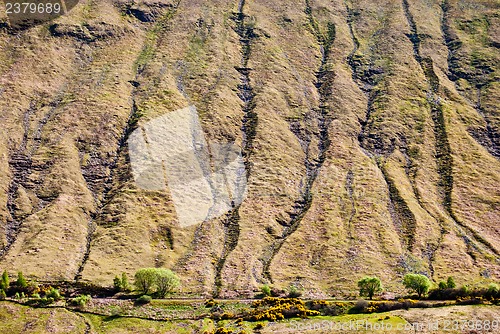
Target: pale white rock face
x,y
206,180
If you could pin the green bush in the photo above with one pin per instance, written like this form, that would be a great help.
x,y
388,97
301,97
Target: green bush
x,y
4,281
21,281
442,285
450,283
125,284
166,282
492,292
117,283
121,283
53,293
417,283
144,299
81,300
2,294
35,296
368,286
42,302
145,279
265,290
493,288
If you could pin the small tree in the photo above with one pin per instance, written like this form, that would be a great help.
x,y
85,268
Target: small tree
x,y
145,279
117,283
4,282
442,285
166,281
450,283
2,295
21,281
418,283
368,286
121,284
266,290
125,284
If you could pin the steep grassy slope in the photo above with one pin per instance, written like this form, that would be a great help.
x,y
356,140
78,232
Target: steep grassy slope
x,y
369,131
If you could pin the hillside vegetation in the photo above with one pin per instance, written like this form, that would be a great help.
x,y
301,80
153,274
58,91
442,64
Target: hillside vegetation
x,y
369,130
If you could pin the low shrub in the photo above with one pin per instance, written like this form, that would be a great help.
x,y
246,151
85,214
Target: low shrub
x,y
144,299
94,290
274,309
53,293
493,290
294,292
265,290
222,330
470,300
210,303
444,294
227,316
81,300
328,308
120,283
275,292
40,302
361,306
401,304
490,293
117,283
258,326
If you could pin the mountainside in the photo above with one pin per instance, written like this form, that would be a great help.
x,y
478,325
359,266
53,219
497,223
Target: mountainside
x,y
369,134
